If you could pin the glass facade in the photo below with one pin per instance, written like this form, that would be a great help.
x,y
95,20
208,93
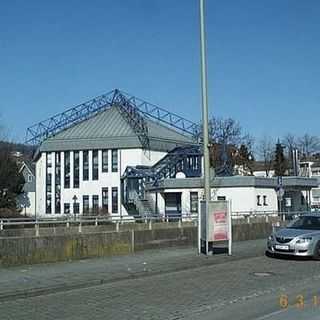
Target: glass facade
x,y
114,200
67,169
95,165
58,182
105,161
48,182
85,165
76,169
114,160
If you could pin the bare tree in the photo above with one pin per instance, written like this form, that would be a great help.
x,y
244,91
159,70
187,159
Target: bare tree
x,y
308,145
290,141
265,150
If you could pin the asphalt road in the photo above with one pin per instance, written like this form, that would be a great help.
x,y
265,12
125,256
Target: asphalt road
x,y
241,287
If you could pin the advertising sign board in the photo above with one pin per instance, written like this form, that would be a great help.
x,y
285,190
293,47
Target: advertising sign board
x,y
215,223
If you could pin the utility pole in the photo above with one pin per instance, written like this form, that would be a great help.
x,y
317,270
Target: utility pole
x,y
207,192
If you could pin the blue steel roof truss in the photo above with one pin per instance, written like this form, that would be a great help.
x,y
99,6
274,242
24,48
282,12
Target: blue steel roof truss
x,y
133,109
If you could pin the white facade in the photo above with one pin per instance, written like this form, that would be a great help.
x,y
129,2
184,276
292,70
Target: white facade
x,y
243,199
90,187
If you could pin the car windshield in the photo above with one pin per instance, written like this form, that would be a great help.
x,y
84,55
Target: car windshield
x,y
306,222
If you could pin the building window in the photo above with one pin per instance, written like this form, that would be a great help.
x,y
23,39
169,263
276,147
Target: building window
x,y
194,202
85,204
105,205
114,160
115,200
258,201
67,169
76,169
221,198
48,182
265,201
86,165
66,208
95,204
76,208
95,165
58,182
29,178
302,199
105,161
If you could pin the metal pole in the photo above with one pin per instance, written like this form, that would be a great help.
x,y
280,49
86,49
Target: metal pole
x,y
204,105
204,95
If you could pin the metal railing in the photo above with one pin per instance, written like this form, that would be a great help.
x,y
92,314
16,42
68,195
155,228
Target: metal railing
x,y
79,221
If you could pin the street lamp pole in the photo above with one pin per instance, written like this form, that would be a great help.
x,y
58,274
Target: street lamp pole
x,y
207,193
204,96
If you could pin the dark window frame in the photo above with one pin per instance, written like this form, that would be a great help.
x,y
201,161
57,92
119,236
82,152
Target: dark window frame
x,y
95,203
114,160
66,208
85,165
76,169
105,160
95,165
114,200
67,169
105,199
194,208
85,208
258,200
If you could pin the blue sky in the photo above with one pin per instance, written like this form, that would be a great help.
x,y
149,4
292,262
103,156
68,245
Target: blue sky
x,y
263,59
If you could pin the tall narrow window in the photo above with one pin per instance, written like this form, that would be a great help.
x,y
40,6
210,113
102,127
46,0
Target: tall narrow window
x,y
258,201
66,208
95,165
114,160
115,200
67,169
58,183
76,168
194,202
265,201
48,183
86,165
105,197
104,160
95,204
85,204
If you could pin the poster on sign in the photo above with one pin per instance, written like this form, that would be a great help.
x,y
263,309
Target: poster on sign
x,y
220,226
218,221
215,224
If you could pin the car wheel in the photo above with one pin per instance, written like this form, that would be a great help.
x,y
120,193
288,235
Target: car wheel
x,y
316,254
269,254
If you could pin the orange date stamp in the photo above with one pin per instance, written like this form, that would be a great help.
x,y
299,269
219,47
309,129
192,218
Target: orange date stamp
x,y
298,301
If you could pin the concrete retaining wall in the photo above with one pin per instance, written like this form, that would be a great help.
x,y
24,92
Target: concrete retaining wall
x,y
30,250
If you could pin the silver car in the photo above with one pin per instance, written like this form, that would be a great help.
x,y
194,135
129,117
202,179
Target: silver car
x,y
300,238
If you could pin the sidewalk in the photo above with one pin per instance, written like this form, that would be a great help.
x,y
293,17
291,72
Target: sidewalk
x,y
34,280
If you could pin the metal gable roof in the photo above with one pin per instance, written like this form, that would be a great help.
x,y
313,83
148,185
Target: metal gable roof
x,y
108,129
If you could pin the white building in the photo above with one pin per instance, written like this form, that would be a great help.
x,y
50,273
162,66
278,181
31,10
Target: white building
x,y
26,201
311,169
119,155
78,170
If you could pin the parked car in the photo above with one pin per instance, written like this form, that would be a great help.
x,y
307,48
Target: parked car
x,y
301,237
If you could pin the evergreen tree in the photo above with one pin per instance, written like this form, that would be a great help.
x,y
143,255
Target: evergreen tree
x,y
245,158
280,162
11,181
